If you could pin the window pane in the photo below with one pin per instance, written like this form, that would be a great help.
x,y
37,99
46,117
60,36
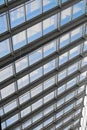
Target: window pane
x,y
49,83
17,16
49,24
34,32
23,81
65,16
12,120
49,97
49,66
74,52
3,23
85,45
75,34
21,64
33,9
36,104
64,40
8,90
78,9
63,58
10,106
48,4
35,74
36,90
50,48
4,48
25,111
19,40
25,97
6,72
35,56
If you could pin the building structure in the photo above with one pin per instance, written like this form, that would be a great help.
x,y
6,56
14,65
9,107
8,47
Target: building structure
x,y
43,64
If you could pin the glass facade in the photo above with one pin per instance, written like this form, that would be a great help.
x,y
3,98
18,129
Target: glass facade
x,y
43,64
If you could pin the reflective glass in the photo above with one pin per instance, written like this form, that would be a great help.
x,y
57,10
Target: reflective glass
x,y
19,40
65,16
49,48
33,9
48,4
49,24
3,21
78,9
8,90
17,16
21,64
34,32
6,72
35,74
64,40
35,56
4,48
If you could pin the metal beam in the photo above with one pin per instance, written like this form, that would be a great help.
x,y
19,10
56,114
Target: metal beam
x,y
20,121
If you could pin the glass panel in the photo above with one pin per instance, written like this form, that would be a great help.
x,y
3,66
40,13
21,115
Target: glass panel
x,y
75,34
25,97
19,40
23,81
85,45
49,83
25,111
65,16
35,56
72,68
10,106
64,40
33,9
17,16
61,75
37,117
48,121
49,48
71,83
6,72
1,2
37,104
48,110
12,120
49,66
48,4
84,61
63,58
35,74
34,32
48,97
8,90
21,64
49,24
61,89
3,21
4,48
36,90
78,9
74,52
26,124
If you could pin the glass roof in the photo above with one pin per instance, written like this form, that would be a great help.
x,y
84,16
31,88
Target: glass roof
x,y
43,64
